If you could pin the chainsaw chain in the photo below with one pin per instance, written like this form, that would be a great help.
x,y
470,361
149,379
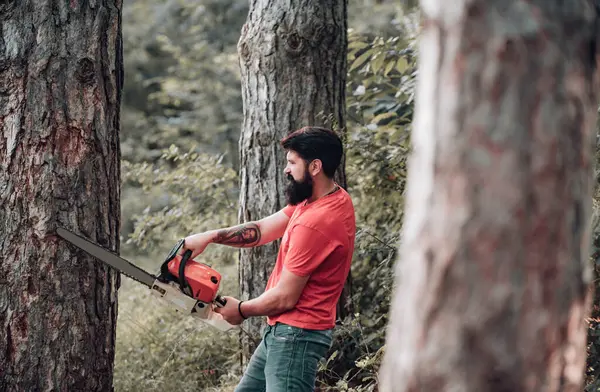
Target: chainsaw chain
x,y
129,276
123,273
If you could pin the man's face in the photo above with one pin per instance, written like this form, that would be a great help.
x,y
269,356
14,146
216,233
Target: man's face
x,y
299,185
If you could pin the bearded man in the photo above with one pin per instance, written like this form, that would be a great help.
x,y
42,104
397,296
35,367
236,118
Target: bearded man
x,y
317,228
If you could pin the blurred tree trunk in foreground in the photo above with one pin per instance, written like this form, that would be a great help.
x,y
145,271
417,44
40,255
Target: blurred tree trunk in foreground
x,y
293,69
60,92
494,278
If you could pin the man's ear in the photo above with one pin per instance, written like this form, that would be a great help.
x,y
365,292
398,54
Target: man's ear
x,y
315,167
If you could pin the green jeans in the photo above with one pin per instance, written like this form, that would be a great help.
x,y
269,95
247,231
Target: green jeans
x,y
287,359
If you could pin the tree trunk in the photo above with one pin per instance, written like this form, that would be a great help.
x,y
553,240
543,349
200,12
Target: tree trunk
x,y
493,281
60,92
593,344
293,70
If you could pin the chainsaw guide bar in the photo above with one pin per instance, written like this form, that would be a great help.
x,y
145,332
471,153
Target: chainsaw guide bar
x,y
121,265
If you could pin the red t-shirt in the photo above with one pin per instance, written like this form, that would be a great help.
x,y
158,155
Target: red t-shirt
x,y
318,241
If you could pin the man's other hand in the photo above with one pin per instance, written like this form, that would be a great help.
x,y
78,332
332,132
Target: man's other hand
x,y
230,311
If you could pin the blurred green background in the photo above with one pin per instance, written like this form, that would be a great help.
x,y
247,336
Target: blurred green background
x,y
181,120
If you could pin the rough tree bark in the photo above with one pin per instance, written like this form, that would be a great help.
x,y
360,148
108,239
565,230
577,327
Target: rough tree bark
x,y
293,69
493,281
60,91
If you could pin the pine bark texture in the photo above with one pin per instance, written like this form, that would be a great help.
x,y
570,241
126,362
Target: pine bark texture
x,y
293,69
493,278
60,92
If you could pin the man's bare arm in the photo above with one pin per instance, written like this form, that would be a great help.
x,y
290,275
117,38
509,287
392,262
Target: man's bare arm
x,y
245,235
252,233
279,299
241,236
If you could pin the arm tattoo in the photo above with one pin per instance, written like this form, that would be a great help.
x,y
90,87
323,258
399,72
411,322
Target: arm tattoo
x,y
245,235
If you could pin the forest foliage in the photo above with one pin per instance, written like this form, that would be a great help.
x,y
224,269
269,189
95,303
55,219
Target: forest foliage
x,y
181,118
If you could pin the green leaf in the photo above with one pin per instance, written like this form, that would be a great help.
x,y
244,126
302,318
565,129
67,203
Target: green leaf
x,y
401,65
389,66
377,62
383,116
360,60
357,45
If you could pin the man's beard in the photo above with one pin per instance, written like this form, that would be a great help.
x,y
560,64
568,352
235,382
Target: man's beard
x,y
296,192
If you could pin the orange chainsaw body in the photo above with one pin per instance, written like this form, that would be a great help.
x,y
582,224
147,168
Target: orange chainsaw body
x,y
203,280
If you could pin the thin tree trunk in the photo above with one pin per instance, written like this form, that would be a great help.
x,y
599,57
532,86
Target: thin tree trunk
x,y
60,92
493,281
293,69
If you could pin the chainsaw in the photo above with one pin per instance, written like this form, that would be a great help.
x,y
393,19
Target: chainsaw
x,y
186,285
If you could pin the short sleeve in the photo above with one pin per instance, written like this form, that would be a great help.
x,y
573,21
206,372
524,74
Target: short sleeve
x,y
308,248
289,210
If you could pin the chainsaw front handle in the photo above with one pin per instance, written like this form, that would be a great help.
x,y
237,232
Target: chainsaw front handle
x,y
220,301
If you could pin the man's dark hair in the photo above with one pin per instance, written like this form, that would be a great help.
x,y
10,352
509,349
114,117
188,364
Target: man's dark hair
x,y
316,143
